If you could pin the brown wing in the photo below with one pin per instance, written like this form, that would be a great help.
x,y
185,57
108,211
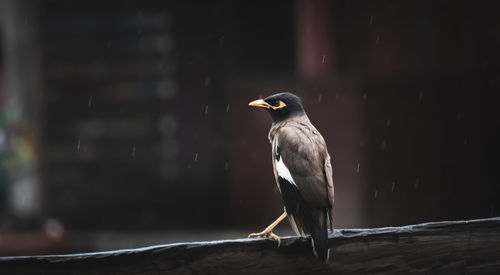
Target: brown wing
x,y
304,153
297,229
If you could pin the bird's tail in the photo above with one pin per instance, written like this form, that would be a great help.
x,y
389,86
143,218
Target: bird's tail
x,y
319,234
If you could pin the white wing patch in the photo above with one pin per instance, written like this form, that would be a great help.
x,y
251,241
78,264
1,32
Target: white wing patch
x,y
283,172
281,168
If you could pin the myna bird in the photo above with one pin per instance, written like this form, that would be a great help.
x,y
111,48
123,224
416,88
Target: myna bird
x,y
302,170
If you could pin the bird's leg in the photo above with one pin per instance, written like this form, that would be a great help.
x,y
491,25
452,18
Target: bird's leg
x,y
268,232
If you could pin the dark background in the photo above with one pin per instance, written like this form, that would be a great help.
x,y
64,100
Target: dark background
x,y
125,123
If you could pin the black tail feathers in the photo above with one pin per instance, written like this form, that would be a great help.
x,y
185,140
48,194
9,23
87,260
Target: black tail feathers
x,y
319,234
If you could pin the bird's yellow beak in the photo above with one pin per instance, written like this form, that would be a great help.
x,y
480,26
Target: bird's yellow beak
x,y
263,104
260,103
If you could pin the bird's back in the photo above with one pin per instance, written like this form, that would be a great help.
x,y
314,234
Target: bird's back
x,y
302,150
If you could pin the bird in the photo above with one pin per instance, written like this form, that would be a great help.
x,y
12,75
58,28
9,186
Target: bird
x,y
302,170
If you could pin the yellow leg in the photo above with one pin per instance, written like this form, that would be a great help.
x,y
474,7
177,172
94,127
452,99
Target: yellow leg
x,y
268,232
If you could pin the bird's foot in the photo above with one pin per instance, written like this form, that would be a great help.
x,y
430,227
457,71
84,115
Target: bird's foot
x,y
266,234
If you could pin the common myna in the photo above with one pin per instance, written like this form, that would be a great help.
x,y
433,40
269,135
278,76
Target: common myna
x,y
302,170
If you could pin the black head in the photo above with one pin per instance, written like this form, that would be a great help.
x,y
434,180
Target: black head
x,y
281,106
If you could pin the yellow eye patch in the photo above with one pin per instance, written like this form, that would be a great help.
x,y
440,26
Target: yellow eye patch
x,y
281,105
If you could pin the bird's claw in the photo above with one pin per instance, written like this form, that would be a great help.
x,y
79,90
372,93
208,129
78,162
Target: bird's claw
x,y
266,234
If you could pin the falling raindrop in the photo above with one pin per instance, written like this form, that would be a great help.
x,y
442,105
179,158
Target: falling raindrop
x,y
364,96
133,151
227,108
371,19
337,96
377,41
376,194
78,146
357,168
393,185
417,183
320,98
323,60
206,109
388,123
90,101
196,157
420,95
384,145
207,81
226,166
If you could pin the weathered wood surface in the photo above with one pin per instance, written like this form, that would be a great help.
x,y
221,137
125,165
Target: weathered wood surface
x,y
455,247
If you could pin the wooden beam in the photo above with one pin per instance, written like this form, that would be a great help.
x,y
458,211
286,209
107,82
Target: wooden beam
x,y
438,247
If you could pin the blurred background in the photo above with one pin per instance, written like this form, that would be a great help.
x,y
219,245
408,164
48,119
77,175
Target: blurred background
x,y
125,123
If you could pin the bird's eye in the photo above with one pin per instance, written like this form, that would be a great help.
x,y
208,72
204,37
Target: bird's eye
x,y
278,104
